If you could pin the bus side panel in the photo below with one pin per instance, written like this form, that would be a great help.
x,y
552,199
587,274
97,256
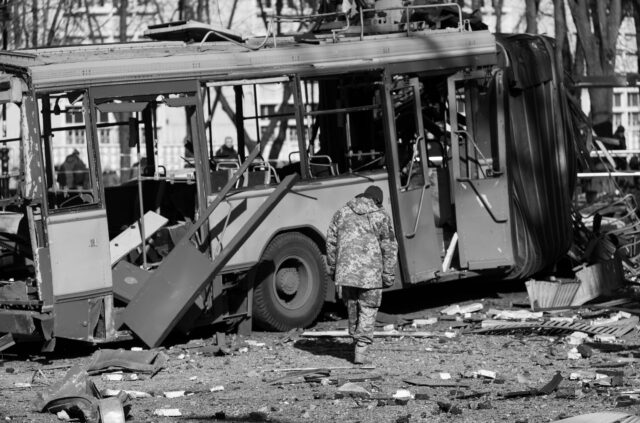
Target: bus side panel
x,y
311,204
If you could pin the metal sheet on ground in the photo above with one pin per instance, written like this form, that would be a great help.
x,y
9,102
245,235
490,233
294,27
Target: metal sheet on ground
x,y
165,298
160,302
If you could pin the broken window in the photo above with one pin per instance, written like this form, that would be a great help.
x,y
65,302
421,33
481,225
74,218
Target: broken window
x,y
343,121
148,147
476,130
70,161
258,112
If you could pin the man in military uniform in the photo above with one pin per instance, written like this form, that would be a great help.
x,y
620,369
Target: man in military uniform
x,y
361,254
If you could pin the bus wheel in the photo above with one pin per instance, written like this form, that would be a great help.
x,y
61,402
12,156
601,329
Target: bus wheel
x,y
291,283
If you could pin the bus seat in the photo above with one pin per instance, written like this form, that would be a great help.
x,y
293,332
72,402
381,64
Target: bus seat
x,y
322,165
227,164
219,178
257,177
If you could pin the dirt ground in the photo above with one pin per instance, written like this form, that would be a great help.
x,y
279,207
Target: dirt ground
x,y
252,392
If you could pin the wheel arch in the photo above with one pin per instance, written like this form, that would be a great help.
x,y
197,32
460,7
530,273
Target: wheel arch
x,y
318,238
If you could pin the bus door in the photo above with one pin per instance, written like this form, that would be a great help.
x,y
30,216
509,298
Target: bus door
x,y
76,217
411,195
478,169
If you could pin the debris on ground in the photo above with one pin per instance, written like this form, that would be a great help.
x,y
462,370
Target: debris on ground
x,y
149,362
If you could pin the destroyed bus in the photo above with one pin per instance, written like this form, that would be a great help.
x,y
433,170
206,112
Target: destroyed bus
x,y
464,131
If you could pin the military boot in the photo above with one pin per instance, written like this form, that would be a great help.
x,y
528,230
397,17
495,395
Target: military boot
x,y
360,356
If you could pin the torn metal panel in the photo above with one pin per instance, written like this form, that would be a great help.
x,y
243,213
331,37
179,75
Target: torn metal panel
x,y
598,279
76,391
134,361
33,187
127,280
6,341
165,297
173,287
131,237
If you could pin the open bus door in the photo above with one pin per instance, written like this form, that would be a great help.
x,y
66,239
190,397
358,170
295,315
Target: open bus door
x,y
411,195
77,219
479,170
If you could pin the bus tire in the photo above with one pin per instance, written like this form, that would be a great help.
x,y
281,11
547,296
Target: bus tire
x,y
291,283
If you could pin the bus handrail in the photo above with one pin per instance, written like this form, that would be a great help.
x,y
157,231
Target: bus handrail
x,y
415,226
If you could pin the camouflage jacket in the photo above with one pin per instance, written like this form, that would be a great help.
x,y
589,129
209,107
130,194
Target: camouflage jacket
x,y
361,246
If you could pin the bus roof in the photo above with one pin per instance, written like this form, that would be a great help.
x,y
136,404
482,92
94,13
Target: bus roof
x,y
79,66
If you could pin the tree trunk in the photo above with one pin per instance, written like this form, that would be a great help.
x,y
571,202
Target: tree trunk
x,y
34,23
636,21
597,25
45,19
263,15
278,13
498,10
531,14
53,29
123,20
560,26
123,130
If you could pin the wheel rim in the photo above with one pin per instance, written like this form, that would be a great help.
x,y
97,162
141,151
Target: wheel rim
x,y
292,282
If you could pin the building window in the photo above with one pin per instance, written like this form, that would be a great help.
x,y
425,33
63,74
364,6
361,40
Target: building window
x,y
634,119
73,116
617,100
634,100
617,120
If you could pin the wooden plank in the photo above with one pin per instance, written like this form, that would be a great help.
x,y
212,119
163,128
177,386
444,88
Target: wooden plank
x,y
131,238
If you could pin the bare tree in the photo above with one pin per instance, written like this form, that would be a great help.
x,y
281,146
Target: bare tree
x,y
497,7
635,11
34,23
597,24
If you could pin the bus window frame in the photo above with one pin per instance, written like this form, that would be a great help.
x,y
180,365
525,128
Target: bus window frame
x,y
46,131
192,99
304,143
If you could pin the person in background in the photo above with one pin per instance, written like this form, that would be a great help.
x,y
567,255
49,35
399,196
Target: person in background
x,y
621,161
361,257
227,151
73,173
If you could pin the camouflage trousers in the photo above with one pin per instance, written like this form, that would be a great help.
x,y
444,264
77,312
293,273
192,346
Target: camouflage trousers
x,y
362,305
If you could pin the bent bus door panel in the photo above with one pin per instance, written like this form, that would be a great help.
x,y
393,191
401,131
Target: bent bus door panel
x,y
78,235
419,255
480,184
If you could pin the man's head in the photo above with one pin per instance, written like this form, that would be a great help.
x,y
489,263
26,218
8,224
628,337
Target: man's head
x,y
375,193
228,141
75,152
